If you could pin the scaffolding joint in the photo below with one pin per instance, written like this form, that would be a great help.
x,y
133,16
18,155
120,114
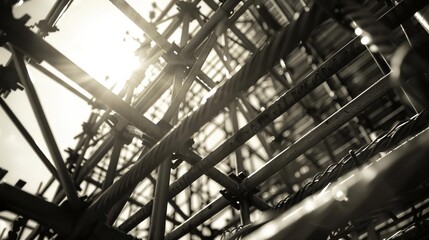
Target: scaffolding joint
x,y
180,157
243,195
8,78
188,8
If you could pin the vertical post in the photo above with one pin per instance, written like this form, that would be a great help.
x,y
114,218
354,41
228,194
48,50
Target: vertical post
x,y
244,206
114,159
158,217
159,211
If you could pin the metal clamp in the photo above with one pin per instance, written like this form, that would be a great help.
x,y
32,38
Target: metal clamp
x,y
234,198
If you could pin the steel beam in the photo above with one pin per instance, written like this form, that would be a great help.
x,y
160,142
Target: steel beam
x,y
148,28
63,175
189,80
60,81
222,13
321,131
35,208
239,166
378,180
28,138
37,48
248,75
157,221
314,79
113,163
318,133
209,211
407,9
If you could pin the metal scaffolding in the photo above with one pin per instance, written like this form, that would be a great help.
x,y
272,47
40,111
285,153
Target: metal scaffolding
x,y
238,115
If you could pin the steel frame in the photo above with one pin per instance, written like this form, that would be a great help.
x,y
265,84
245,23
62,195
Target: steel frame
x,y
122,191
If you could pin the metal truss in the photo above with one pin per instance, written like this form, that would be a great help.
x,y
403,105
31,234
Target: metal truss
x,y
238,109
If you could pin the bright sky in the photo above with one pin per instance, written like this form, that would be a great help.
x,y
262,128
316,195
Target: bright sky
x,y
92,35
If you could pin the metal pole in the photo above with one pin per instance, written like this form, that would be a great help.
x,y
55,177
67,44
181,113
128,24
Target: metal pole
x,y
28,138
20,37
222,13
322,130
318,133
95,159
63,175
314,79
34,207
165,11
160,199
281,44
113,164
59,81
187,83
148,28
157,221
60,6
239,162
379,181
209,211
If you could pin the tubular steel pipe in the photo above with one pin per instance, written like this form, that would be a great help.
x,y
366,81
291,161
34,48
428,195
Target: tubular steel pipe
x,y
157,221
96,157
30,43
113,164
282,43
322,130
222,13
331,66
189,80
148,28
239,165
165,11
28,138
63,175
287,100
209,211
60,6
318,133
378,180
60,81
160,198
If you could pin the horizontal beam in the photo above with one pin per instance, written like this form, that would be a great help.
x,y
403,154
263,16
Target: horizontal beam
x,y
282,44
378,180
28,42
35,208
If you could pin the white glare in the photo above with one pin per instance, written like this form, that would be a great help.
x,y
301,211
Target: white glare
x,y
358,31
365,40
373,48
422,21
340,196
